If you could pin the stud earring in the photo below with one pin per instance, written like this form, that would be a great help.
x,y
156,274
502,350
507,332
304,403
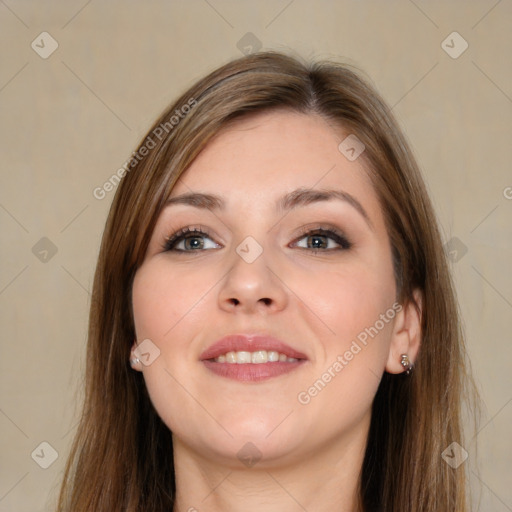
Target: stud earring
x,y
407,365
134,361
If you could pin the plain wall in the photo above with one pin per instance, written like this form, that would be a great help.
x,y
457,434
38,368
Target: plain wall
x,y
69,121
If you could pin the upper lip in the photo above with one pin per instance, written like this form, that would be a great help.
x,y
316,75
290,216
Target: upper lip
x,y
249,343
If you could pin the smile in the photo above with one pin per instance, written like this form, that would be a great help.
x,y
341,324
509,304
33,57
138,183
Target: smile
x,y
251,357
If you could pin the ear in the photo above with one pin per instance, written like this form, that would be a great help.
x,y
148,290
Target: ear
x,y
406,335
133,357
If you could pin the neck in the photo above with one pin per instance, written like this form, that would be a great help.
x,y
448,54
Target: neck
x,y
324,480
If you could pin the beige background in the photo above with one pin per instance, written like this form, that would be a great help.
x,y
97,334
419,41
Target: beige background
x,y
70,121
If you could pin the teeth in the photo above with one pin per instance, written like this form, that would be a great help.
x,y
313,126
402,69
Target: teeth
x,y
243,357
272,356
258,357
230,357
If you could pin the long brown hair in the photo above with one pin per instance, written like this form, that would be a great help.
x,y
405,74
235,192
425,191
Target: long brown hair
x,y
122,458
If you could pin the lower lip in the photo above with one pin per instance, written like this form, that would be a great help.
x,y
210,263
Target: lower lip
x,y
250,372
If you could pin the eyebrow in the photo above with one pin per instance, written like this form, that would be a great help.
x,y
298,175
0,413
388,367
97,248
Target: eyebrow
x,y
291,200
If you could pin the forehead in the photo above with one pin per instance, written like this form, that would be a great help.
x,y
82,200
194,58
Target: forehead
x,y
257,159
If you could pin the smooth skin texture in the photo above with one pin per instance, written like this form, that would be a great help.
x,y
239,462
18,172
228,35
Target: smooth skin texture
x,y
305,289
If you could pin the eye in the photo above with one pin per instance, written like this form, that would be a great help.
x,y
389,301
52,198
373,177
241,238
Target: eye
x,y
323,240
189,239
195,239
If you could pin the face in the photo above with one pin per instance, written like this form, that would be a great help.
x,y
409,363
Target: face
x,y
269,259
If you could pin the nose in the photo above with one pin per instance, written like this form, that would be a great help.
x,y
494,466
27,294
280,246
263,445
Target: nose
x,y
253,287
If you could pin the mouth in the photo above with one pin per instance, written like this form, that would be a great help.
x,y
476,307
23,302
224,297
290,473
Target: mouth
x,y
251,358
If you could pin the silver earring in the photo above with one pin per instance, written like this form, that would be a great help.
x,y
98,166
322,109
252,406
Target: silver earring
x,y
135,361
407,365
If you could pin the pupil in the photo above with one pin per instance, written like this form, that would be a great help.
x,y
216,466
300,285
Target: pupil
x,y
317,238
193,243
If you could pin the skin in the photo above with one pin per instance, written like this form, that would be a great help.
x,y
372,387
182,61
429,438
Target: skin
x,y
311,454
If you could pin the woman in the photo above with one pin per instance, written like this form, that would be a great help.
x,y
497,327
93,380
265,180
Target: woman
x,y
273,324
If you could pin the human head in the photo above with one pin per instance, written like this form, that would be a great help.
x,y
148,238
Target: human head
x,y
403,406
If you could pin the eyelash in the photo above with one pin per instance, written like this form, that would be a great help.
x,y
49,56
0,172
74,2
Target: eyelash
x,y
198,232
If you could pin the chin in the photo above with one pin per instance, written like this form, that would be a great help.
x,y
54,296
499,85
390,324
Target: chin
x,y
255,438
263,452
258,422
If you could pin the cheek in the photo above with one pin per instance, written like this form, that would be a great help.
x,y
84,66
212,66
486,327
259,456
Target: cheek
x,y
354,349
162,297
166,304
350,302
